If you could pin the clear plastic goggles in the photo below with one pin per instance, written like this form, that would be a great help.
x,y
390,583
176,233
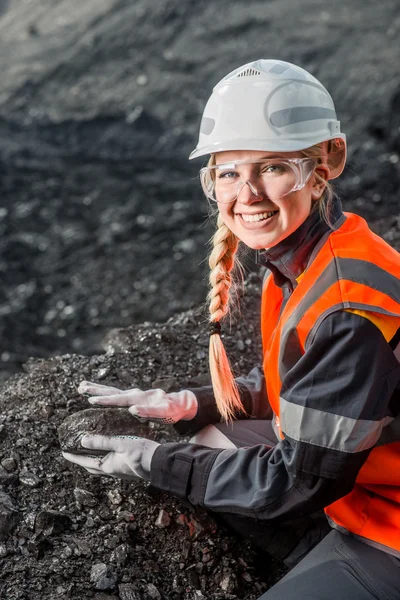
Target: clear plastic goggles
x,y
273,178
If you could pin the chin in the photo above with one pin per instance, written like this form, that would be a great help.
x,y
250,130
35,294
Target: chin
x,y
263,242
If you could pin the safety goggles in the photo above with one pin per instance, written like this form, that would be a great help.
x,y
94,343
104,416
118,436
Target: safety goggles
x,y
274,178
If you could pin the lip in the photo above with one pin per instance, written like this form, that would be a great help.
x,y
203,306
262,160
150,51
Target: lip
x,y
256,224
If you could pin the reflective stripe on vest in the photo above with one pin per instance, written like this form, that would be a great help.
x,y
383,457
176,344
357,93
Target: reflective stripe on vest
x,y
354,269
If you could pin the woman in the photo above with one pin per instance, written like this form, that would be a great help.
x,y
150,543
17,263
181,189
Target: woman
x,y
307,459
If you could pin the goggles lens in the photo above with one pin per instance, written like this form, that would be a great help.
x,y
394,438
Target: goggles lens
x,y
274,178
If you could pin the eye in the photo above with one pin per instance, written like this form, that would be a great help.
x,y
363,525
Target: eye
x,y
275,168
227,174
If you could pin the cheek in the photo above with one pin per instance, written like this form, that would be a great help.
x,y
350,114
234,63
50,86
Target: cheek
x,y
226,214
296,209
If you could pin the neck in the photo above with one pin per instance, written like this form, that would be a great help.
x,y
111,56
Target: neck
x,y
289,259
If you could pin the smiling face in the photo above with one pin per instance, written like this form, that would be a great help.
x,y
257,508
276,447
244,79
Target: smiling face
x,y
258,220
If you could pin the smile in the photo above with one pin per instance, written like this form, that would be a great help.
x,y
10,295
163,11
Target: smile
x,y
258,216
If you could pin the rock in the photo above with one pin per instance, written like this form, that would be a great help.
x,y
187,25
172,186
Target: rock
x,y
105,513
115,497
9,516
193,577
153,592
9,464
240,345
67,552
199,568
60,590
186,549
228,582
22,442
111,542
83,546
199,525
103,373
7,478
99,421
163,519
47,411
85,497
125,515
102,577
126,591
29,479
206,555
90,522
120,555
168,384
51,522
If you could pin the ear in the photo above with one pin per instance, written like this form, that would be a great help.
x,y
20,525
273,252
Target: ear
x,y
321,176
336,157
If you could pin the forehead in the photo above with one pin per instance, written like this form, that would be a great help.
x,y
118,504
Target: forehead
x,y
236,155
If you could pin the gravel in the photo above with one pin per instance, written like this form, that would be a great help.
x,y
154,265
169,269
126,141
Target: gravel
x,y
65,532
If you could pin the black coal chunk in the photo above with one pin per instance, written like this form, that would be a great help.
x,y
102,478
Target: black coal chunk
x,y
100,421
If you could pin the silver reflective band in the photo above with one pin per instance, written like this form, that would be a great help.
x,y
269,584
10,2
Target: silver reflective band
x,y
328,430
290,116
275,178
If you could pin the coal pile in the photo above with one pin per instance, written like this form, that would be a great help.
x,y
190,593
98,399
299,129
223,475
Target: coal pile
x,y
67,534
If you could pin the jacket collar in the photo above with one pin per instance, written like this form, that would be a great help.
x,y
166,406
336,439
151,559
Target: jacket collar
x,y
289,259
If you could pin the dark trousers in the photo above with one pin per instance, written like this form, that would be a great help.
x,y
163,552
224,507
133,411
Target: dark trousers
x,y
325,564
340,568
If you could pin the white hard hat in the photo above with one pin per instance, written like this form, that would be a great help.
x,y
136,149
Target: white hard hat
x,y
270,105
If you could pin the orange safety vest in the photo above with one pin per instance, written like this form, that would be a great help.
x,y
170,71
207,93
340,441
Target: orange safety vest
x,y
354,269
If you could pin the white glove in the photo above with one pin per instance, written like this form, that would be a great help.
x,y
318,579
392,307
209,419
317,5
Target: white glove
x,y
150,404
126,457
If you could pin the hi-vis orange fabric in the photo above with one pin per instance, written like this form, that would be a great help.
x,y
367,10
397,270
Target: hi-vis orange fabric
x,y
353,270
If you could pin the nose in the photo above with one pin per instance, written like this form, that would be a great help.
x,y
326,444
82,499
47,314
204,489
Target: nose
x,y
248,193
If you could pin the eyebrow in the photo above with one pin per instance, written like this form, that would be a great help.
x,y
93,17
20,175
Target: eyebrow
x,y
271,157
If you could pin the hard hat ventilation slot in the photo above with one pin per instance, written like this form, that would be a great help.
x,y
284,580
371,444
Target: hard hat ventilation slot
x,y
248,73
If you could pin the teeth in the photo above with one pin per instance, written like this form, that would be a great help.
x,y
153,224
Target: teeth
x,y
258,217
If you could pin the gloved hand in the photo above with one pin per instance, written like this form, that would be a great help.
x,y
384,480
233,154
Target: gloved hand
x,y
150,404
126,457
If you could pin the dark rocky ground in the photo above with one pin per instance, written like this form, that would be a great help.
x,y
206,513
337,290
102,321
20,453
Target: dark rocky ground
x,y
102,225
65,534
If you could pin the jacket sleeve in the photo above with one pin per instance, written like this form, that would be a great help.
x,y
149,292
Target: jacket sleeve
x,y
253,394
336,399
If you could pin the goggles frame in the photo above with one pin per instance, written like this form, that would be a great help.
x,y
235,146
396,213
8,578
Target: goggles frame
x,y
302,168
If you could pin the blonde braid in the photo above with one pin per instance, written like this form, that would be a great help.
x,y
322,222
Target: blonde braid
x,y
221,262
